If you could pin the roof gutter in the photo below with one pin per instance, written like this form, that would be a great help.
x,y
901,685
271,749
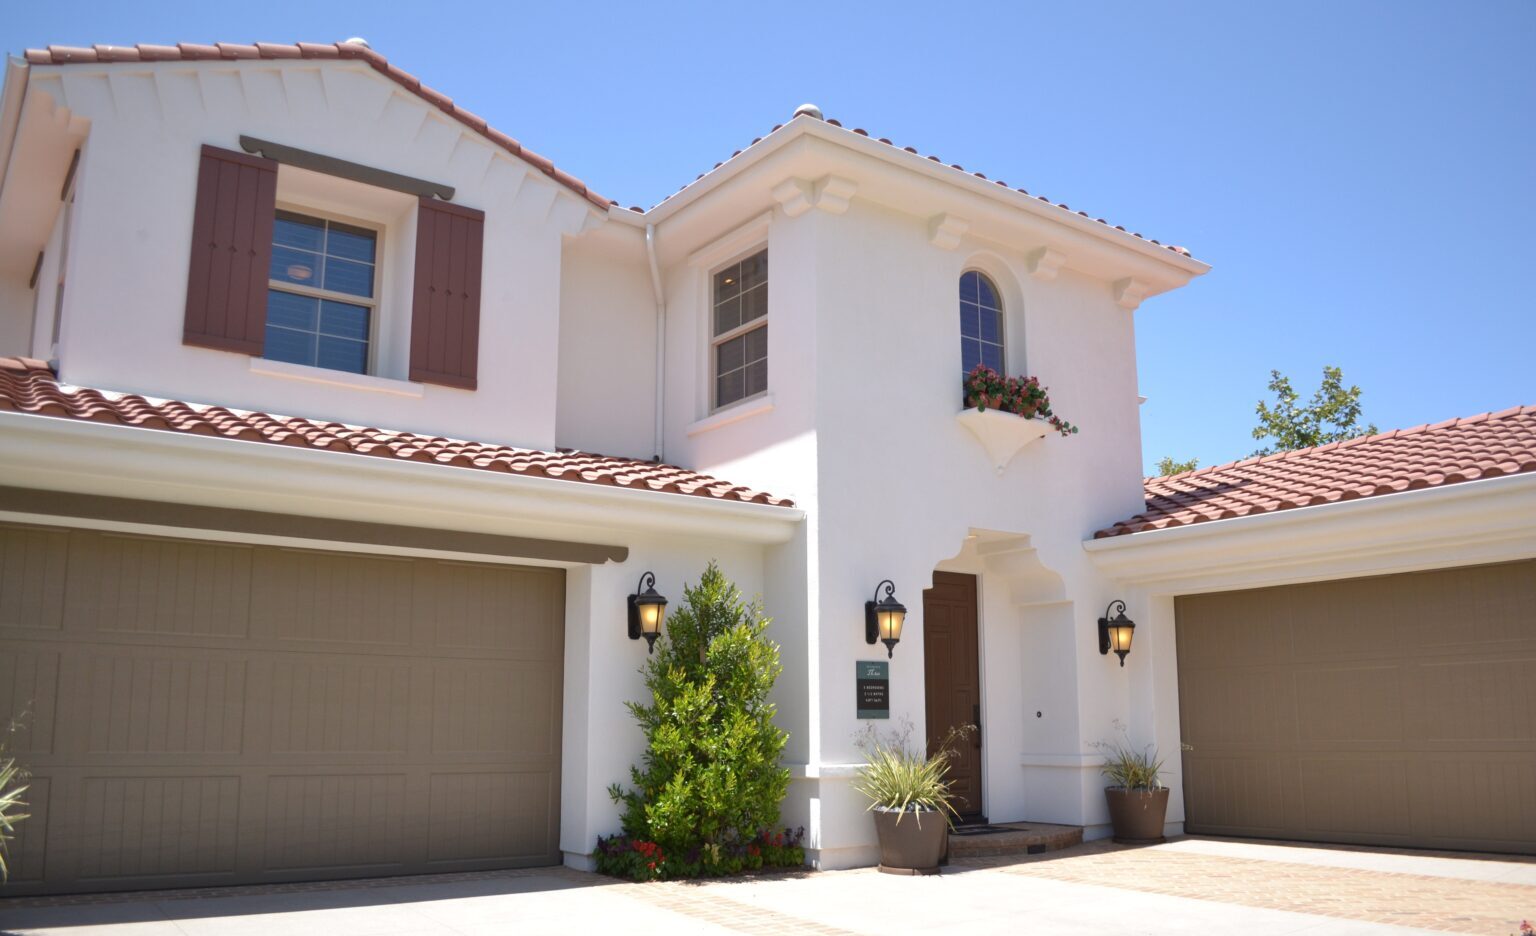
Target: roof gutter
x,y
661,338
51,453
1488,520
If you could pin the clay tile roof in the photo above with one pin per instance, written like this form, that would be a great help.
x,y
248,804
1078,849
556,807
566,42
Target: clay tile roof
x,y
1181,251
1489,445
29,386
186,51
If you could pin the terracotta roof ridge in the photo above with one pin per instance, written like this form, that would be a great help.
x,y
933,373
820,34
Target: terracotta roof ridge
x,y
859,131
1455,422
226,51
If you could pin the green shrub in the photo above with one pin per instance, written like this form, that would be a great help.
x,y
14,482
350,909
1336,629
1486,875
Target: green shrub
x,y
706,796
12,784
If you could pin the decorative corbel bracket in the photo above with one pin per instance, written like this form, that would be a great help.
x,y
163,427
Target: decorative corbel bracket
x,y
795,196
945,231
1045,263
829,193
1129,292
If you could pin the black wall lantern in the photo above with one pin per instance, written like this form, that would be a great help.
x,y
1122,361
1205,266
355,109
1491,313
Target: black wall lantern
x,y
646,612
1115,632
884,617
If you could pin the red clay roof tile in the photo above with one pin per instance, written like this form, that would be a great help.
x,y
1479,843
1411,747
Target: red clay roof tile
x,y
187,51
1488,445
29,386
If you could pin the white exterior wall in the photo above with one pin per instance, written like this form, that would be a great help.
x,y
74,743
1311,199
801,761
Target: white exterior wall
x,y
859,427
137,180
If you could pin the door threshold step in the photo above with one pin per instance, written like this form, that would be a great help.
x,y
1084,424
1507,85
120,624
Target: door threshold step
x,y
1012,838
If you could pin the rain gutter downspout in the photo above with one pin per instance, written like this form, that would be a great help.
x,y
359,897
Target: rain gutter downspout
x,y
661,334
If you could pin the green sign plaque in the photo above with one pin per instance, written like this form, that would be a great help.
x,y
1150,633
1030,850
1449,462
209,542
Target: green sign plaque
x,y
873,681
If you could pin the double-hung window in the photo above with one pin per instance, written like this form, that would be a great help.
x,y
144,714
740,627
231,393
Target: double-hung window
x,y
739,347
322,293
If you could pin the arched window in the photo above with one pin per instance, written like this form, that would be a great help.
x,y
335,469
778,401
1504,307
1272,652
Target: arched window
x,y
981,322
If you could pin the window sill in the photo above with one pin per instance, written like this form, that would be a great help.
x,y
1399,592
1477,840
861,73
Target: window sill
x,y
1003,435
733,413
336,378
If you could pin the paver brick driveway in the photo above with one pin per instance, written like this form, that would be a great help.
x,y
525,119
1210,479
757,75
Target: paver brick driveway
x,y
1191,885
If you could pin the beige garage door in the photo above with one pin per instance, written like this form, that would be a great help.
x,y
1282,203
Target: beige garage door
x,y
1398,710
209,713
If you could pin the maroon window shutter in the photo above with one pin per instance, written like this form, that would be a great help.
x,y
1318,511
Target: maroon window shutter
x,y
445,307
231,251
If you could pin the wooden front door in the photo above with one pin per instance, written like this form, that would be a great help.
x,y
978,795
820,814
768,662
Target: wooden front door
x,y
952,675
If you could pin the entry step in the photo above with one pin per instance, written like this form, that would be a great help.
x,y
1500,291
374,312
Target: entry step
x,y
1012,838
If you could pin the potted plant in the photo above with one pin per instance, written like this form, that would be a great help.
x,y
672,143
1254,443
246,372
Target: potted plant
x,y
910,798
1137,799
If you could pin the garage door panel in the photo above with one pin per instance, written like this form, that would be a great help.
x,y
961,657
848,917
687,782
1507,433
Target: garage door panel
x,y
32,574
1490,798
1354,703
29,686
1242,706
1478,699
1245,794
325,705
352,821
1414,710
143,585
500,815
341,600
500,610
1360,795
160,701
501,709
214,714
153,826
28,854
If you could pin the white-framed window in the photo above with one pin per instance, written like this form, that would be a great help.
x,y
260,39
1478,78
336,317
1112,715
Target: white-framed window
x,y
323,291
981,322
739,329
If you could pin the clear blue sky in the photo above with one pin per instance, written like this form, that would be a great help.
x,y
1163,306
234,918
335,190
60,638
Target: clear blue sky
x,y
1362,175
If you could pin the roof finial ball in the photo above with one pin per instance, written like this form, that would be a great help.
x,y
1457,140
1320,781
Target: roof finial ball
x,y
809,110
357,40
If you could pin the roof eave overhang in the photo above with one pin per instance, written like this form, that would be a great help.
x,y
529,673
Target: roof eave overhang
x,y
917,185
52,453
1489,520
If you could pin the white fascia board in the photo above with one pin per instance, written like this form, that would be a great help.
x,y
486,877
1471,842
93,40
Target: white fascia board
x,y
102,458
1491,520
1186,267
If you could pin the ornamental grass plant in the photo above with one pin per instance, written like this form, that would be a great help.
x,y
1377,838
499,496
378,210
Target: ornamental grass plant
x,y
13,784
901,778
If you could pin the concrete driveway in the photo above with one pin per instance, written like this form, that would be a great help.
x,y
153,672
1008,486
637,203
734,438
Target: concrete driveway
x,y
1191,885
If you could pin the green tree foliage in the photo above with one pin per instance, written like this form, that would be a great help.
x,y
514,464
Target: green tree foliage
x,y
1333,415
711,776
1168,466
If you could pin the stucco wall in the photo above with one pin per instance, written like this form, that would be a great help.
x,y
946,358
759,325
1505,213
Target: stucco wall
x,y
124,306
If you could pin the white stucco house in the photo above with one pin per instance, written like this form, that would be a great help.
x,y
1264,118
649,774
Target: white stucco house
x,y
307,571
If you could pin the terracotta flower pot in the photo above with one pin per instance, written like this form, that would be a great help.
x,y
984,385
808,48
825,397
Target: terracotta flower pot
x,y
1137,815
917,844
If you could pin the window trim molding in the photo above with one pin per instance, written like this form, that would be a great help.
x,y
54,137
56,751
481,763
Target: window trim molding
x,y
713,341
375,303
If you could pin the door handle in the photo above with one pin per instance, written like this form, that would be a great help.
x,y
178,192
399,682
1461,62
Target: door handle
x,y
976,720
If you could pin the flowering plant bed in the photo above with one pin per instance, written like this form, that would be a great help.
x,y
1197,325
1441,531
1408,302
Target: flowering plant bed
x,y
640,860
986,389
